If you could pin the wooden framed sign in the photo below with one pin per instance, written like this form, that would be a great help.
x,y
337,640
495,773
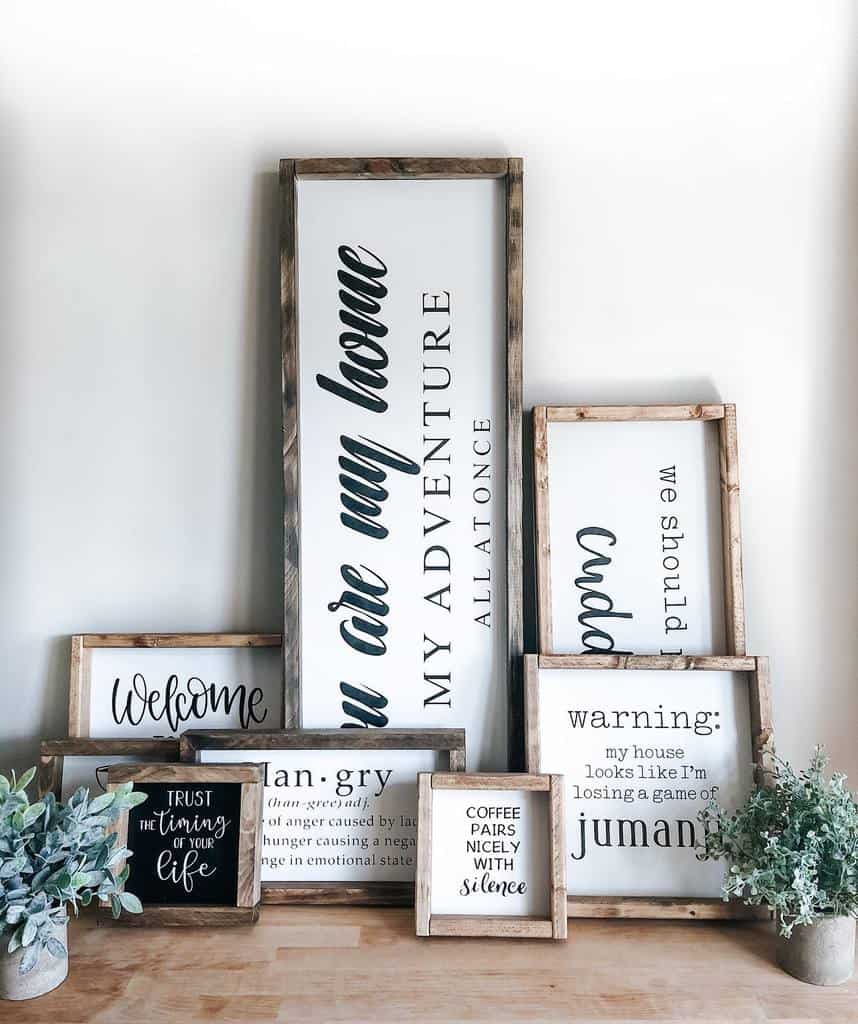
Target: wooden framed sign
x,y
64,765
644,743
150,685
401,317
196,842
637,525
340,813
491,856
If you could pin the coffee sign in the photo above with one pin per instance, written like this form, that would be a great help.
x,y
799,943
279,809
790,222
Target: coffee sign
x,y
491,857
195,840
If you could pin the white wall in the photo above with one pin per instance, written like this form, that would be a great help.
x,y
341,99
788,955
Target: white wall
x,y
690,235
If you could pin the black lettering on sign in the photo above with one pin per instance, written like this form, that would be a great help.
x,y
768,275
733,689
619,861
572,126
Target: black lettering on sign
x,y
360,296
137,702
185,843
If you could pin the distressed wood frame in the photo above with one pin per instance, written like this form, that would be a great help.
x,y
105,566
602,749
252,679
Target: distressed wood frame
x,y
731,533
249,777
449,741
523,927
83,644
52,754
413,168
756,671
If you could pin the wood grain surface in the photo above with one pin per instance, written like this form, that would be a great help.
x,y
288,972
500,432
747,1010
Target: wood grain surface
x,y
355,965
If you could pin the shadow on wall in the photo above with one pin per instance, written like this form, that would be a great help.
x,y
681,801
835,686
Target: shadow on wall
x,y
830,467
258,569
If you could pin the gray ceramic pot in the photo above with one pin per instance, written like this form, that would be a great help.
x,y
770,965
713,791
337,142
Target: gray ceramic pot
x,y
49,972
822,953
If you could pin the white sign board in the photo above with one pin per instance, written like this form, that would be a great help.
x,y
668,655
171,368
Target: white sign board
x,y
491,853
636,537
643,751
146,692
337,815
402,405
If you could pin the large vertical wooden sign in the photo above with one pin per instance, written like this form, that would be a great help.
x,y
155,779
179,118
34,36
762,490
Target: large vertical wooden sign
x,y
401,287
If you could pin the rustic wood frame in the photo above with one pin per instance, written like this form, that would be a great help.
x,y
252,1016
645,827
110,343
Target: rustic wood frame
x,y
525,927
731,533
413,168
449,741
83,644
249,777
762,746
52,754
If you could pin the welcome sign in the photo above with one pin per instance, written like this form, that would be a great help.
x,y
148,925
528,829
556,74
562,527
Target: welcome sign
x,y
401,607
159,685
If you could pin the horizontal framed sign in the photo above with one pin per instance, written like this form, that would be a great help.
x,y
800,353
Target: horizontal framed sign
x,y
196,842
150,685
637,525
491,856
644,743
340,810
401,321
64,765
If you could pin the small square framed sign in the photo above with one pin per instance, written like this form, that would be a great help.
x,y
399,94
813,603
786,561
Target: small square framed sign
x,y
490,856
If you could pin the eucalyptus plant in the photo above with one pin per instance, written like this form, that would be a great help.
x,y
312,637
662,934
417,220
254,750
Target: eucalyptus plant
x,y
55,855
792,847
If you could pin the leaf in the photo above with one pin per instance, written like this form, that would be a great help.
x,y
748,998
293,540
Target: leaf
x,y
25,780
56,948
115,906
5,786
100,802
14,914
30,929
33,812
30,959
130,903
15,941
88,879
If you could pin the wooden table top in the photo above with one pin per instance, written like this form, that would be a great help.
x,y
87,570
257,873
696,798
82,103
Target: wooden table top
x,y
365,965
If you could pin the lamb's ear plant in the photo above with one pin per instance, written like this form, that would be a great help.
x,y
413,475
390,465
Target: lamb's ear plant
x,y
792,847
53,856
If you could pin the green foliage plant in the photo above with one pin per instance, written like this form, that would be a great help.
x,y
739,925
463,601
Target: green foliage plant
x,y
792,847
53,856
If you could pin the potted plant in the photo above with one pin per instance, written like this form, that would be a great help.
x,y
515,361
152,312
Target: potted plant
x,y
793,847
53,856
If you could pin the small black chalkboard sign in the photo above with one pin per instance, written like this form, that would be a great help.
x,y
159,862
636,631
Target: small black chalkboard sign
x,y
185,843
195,841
